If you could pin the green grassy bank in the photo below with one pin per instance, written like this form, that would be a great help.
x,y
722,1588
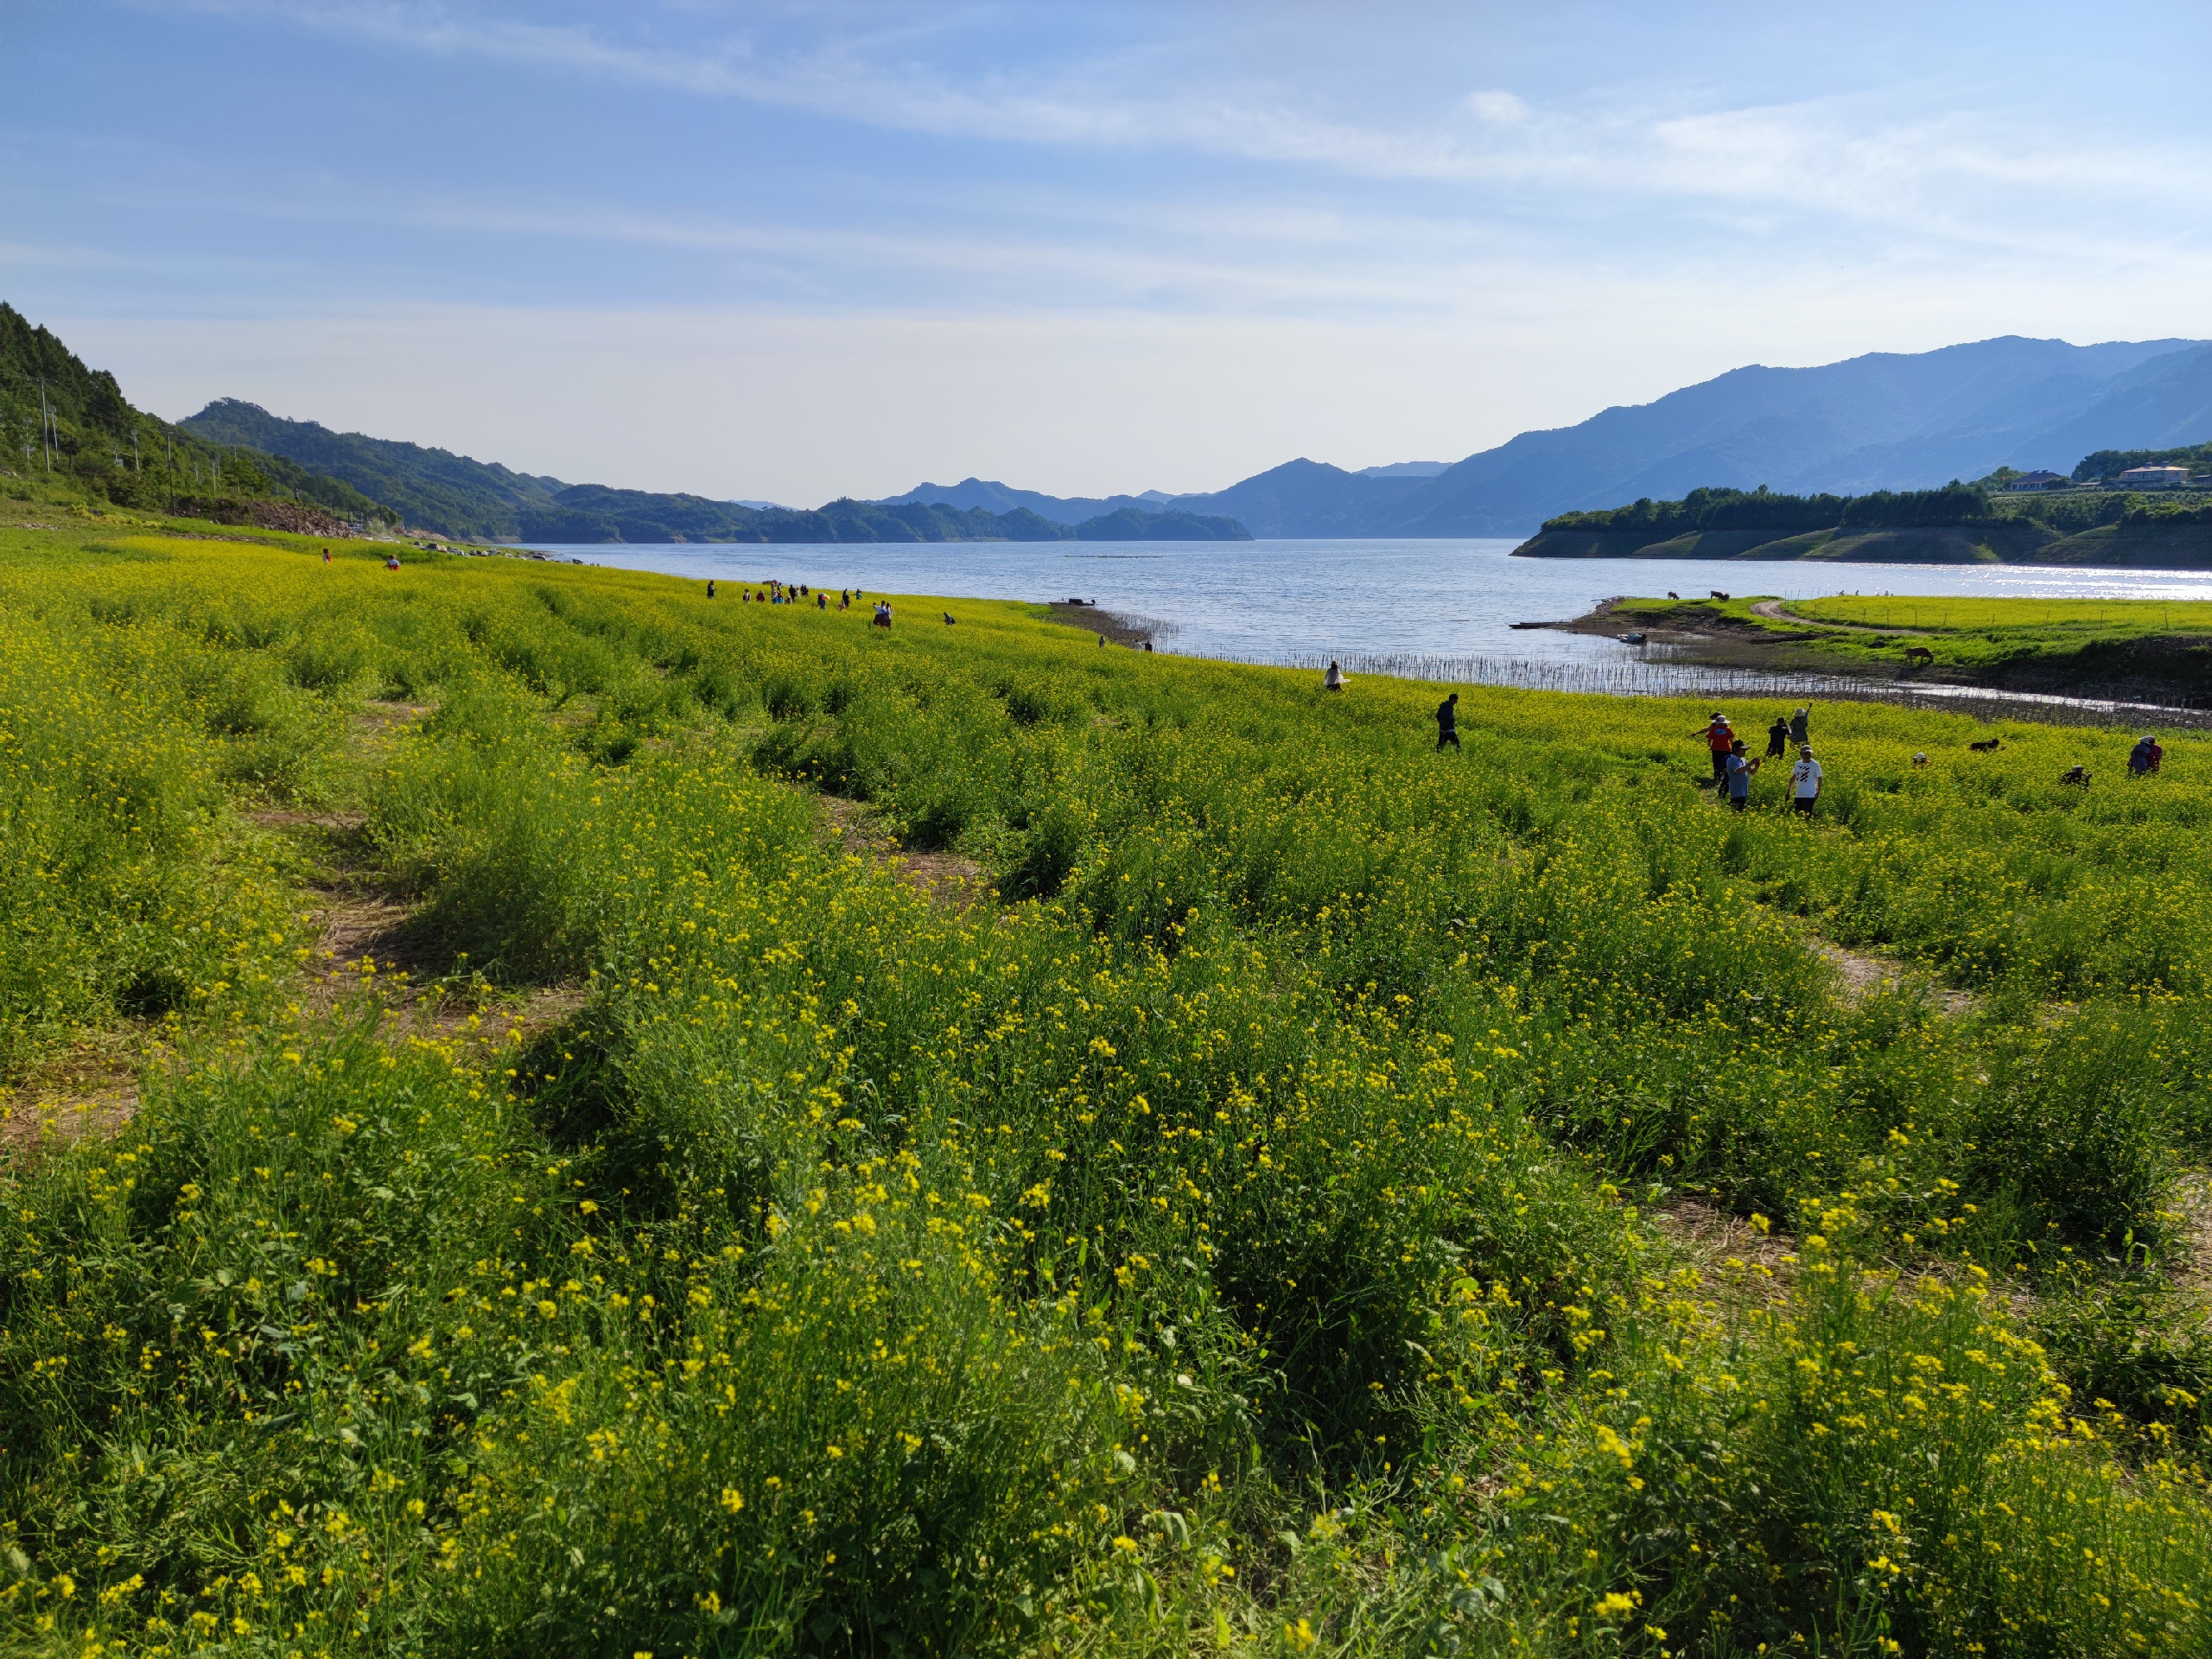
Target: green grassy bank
x,y
1267,1222
2153,650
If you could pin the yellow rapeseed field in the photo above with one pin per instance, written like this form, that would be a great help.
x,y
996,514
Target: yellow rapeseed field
x,y
1309,1194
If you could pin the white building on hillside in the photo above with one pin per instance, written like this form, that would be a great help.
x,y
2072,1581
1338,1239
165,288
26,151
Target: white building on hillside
x,y
2153,477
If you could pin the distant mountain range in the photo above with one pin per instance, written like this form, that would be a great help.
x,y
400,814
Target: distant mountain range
x,y
455,496
1885,420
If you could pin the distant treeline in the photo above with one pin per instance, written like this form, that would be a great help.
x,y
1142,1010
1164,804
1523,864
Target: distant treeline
x,y
1779,515
2110,463
1954,506
592,512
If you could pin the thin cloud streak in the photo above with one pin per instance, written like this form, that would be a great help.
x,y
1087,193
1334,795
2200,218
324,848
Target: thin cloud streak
x,y
1819,151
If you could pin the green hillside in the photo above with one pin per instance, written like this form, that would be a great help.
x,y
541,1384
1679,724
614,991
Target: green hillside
x,y
1960,523
67,433
456,495
432,489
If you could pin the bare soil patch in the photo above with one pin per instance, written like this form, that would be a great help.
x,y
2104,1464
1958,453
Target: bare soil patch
x,y
2192,1271
1862,976
946,878
1736,1261
65,1101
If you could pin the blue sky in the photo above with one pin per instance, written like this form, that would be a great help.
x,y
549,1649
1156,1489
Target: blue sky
x,y
793,251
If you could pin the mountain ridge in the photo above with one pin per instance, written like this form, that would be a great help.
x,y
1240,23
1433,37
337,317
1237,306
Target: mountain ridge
x,y
459,496
1883,420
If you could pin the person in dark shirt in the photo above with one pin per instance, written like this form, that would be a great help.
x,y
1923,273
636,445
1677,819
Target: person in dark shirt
x,y
1778,739
1447,722
1800,724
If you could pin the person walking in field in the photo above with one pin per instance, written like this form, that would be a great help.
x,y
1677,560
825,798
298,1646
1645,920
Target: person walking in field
x,y
1805,780
1447,722
1740,768
1334,679
710,587
1718,737
1800,724
1778,739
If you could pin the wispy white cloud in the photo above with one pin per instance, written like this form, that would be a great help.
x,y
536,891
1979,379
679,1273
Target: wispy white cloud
x,y
1878,158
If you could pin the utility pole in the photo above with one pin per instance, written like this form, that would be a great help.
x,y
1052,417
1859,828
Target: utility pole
x,y
46,420
138,462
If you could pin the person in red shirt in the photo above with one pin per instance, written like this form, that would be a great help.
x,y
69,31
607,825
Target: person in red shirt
x,y
1719,739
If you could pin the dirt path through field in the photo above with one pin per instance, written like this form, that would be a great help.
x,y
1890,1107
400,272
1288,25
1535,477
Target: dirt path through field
x,y
366,951
1777,610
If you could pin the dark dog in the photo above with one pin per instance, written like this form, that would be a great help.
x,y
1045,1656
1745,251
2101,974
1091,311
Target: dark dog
x,y
1986,745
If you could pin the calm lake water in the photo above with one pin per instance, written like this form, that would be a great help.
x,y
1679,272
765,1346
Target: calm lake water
x,y
1291,601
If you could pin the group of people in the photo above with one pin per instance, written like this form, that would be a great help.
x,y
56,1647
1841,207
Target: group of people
x,y
2143,757
785,592
1733,765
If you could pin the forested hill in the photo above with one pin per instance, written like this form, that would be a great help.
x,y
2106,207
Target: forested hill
x,y
430,489
71,427
1958,524
1780,514
457,496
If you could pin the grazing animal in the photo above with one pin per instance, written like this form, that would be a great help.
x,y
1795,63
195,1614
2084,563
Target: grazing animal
x,y
2077,775
1717,594
1919,654
1988,746
1671,593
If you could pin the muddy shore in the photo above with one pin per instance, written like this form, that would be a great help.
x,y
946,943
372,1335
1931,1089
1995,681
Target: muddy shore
x,y
1119,629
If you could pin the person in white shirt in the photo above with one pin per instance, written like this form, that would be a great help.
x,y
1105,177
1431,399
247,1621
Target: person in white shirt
x,y
1805,779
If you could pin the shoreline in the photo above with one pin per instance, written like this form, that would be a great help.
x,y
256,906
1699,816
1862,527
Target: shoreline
x,y
2154,671
1119,627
